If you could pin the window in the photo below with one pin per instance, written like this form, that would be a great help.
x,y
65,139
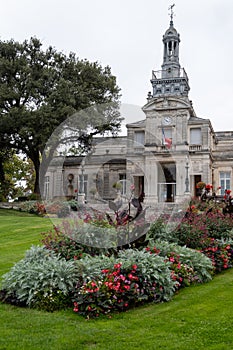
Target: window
x,y
82,188
46,187
122,178
225,181
195,136
139,137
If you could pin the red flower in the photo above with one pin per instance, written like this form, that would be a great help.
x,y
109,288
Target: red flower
x,y
75,307
117,266
134,267
208,186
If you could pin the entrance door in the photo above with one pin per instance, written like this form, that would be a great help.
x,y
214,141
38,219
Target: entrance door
x,y
197,191
139,185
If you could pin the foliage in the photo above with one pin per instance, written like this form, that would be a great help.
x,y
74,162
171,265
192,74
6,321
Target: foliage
x,y
59,208
69,248
40,89
159,231
13,169
33,207
221,253
42,279
195,230
197,317
124,284
116,289
188,265
200,185
115,280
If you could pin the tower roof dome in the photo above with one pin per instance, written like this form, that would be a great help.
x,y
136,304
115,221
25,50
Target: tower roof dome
x,y
171,31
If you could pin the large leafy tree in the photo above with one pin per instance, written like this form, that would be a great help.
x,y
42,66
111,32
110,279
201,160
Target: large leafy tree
x,y
40,89
14,169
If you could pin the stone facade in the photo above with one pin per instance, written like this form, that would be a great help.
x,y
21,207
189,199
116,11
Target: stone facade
x,y
165,155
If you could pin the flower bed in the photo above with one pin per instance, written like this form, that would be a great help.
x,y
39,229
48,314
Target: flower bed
x,y
98,281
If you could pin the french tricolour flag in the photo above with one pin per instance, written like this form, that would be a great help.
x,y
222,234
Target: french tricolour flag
x,y
166,141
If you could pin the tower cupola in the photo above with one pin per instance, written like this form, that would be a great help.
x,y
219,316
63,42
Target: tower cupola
x,y
172,79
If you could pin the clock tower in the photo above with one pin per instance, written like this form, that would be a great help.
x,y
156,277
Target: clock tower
x,y
168,111
172,79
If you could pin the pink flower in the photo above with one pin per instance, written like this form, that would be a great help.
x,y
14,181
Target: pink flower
x,y
132,187
117,266
75,307
122,277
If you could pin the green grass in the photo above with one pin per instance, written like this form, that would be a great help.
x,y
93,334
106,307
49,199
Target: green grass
x,y
198,317
18,231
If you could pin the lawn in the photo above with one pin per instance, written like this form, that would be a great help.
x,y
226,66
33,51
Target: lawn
x,y
198,317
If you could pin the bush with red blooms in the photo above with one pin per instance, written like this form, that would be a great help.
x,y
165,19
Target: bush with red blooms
x,y
115,290
124,285
221,254
196,230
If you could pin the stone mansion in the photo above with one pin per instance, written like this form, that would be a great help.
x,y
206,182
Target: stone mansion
x,y
164,155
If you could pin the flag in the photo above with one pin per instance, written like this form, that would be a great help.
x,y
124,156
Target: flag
x,y
167,142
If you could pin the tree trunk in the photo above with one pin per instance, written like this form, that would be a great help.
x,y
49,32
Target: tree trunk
x,y
36,162
2,173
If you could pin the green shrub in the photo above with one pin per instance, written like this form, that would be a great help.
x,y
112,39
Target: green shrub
x,y
220,252
69,244
159,230
191,265
42,280
135,276
196,230
33,207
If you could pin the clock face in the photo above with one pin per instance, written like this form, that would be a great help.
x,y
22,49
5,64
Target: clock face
x,y
167,120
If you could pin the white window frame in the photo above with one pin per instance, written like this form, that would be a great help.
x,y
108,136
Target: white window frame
x,y
46,187
195,139
139,137
224,181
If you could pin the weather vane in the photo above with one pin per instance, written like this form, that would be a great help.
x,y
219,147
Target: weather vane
x,y
172,12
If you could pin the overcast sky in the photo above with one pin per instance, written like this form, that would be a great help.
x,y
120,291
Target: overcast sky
x,y
127,36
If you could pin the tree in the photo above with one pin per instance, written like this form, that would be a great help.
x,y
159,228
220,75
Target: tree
x,y
40,89
14,169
